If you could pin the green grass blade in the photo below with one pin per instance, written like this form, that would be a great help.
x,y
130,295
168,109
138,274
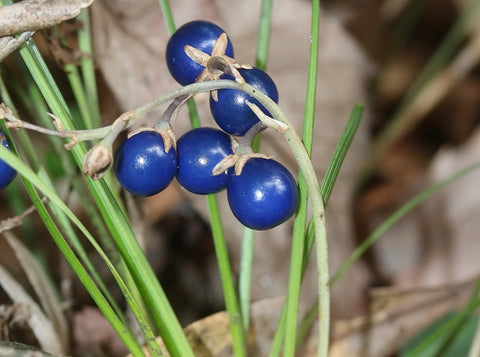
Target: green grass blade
x,y
32,179
87,66
245,275
298,244
148,285
78,90
231,300
263,35
328,183
233,308
395,217
246,255
448,330
167,16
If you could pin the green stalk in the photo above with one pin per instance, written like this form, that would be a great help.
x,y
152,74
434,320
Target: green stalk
x,y
298,244
246,255
233,308
245,275
123,332
263,35
328,183
299,153
231,301
389,222
87,66
145,278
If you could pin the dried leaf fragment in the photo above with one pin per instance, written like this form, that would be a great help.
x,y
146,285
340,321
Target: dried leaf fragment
x,y
32,15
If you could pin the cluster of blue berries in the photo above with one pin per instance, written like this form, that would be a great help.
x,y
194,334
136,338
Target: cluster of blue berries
x,y
264,194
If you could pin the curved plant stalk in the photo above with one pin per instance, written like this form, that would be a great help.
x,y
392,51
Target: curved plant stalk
x,y
305,165
325,190
389,222
301,156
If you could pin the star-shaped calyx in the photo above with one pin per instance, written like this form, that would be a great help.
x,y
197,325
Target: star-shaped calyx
x,y
216,63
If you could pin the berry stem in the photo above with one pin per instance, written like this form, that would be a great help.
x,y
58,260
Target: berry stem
x,y
247,139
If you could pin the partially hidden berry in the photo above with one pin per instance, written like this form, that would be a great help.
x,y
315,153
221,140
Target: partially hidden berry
x,y
231,111
7,173
142,166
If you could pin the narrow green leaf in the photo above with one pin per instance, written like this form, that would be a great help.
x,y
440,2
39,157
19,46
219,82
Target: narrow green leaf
x,y
298,243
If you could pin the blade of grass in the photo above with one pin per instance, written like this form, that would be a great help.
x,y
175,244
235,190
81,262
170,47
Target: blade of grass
x,y
328,183
245,275
149,287
233,308
246,254
386,224
397,126
449,327
298,243
27,145
35,180
87,67
263,35
130,341
231,301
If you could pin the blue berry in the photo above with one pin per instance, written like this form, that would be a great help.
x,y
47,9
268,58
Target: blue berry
x,y
7,173
199,150
264,195
199,34
231,112
142,166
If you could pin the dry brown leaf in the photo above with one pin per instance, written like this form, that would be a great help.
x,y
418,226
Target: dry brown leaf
x,y
396,316
43,289
94,336
32,15
41,326
210,336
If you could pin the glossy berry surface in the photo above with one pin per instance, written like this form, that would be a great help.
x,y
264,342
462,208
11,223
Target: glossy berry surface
x,y
199,151
142,166
231,112
264,195
7,173
199,34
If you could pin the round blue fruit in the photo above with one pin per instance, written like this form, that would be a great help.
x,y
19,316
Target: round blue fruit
x,y
142,166
264,195
7,173
199,151
198,34
231,112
